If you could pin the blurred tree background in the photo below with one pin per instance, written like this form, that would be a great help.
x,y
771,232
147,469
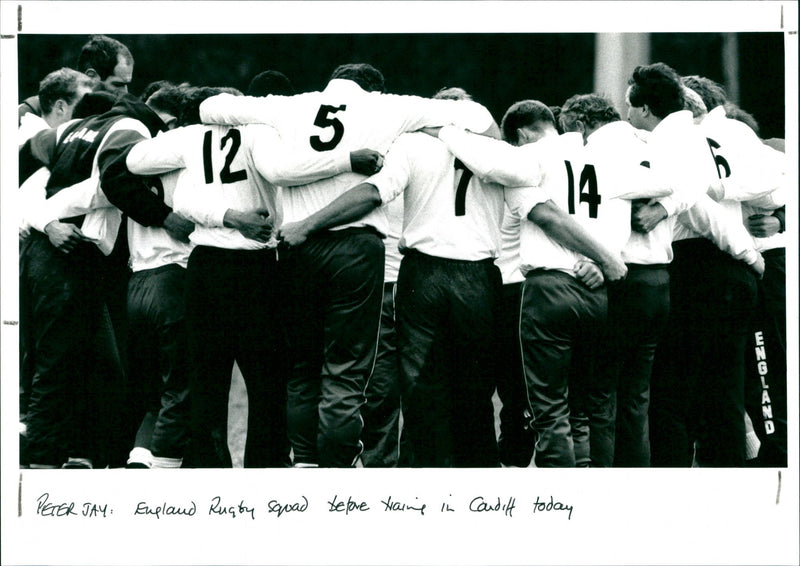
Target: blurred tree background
x,y
497,69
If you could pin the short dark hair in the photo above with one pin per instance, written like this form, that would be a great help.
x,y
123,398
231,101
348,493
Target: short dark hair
x,y
270,82
525,113
363,74
190,99
154,87
168,99
102,53
60,85
556,110
591,109
658,86
712,93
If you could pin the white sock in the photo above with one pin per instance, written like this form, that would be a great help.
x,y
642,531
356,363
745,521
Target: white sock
x,y
751,442
752,445
305,465
162,462
141,455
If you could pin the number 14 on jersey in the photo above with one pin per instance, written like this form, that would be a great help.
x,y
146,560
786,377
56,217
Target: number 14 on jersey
x,y
588,181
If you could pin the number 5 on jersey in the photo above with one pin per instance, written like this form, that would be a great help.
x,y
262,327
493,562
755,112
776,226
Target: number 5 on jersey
x,y
326,119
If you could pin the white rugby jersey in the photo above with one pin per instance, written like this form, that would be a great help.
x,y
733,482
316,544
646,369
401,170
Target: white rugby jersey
x,y
554,168
224,167
394,214
748,169
707,219
508,260
152,247
620,156
343,116
448,212
29,125
678,153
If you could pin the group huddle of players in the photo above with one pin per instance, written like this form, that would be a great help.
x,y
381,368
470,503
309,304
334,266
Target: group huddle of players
x,y
372,260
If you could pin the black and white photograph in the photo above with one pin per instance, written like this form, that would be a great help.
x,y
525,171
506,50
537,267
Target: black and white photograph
x,y
368,282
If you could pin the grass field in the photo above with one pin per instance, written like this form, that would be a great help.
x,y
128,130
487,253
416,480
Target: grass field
x,y
237,417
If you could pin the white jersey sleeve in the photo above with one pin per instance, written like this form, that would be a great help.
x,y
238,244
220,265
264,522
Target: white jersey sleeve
x,y
74,200
396,172
679,154
416,112
277,163
161,154
521,200
31,196
748,169
421,112
493,160
230,109
707,219
620,158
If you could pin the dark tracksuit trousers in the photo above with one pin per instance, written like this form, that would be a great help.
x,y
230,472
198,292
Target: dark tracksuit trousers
x,y
158,375
381,412
517,438
233,313
563,324
766,363
697,386
63,318
638,307
334,292
445,323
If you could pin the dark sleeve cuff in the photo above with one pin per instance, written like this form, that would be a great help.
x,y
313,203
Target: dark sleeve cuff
x,y
780,214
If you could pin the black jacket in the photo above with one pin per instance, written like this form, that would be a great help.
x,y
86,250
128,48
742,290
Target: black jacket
x,y
70,158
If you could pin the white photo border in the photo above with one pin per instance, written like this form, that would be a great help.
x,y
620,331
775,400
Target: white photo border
x,y
620,516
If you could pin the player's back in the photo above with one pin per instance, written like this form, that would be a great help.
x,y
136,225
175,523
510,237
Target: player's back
x,y
152,246
341,117
217,173
449,212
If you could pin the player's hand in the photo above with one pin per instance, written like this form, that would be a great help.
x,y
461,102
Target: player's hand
x,y
178,227
589,274
647,217
614,268
294,233
64,236
432,131
763,225
253,224
366,161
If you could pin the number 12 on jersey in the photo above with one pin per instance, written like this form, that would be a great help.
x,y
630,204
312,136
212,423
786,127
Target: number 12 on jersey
x,y
588,180
226,176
